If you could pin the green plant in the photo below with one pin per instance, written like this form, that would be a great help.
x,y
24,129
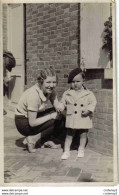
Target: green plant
x,y
107,41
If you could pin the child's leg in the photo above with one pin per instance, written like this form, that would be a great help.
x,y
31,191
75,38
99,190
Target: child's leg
x,y
83,139
68,141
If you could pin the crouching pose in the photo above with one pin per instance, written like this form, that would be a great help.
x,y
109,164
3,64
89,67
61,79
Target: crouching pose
x,y
80,104
33,118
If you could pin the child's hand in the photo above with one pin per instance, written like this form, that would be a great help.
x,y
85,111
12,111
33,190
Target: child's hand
x,y
60,107
85,112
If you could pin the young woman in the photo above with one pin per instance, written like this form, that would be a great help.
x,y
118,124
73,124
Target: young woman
x,y
32,116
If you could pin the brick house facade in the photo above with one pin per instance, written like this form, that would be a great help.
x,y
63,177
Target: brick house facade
x,y
53,40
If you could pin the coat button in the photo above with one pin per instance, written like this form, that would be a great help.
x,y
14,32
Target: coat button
x,y
81,105
75,104
75,112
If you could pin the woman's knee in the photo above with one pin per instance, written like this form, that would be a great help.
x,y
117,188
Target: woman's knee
x,y
22,125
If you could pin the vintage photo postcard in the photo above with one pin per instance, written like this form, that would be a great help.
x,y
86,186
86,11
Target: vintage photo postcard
x,y
58,81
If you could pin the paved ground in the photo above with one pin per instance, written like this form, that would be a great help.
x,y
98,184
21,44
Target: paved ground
x,y
46,166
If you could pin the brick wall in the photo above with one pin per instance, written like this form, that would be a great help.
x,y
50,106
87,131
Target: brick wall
x,y
101,136
4,26
52,40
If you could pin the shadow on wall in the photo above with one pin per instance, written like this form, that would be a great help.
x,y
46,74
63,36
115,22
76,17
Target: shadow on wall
x,y
98,74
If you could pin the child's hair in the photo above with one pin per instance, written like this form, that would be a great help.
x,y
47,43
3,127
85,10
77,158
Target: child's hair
x,y
75,72
43,74
9,60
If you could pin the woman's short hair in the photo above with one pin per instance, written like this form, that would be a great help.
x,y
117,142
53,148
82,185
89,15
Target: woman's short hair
x,y
43,74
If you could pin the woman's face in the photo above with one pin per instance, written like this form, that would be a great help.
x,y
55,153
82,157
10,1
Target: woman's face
x,y
49,84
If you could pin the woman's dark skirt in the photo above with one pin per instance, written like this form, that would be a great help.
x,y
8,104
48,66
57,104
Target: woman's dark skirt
x,y
54,127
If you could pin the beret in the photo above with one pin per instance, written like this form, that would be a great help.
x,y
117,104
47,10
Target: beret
x,y
73,73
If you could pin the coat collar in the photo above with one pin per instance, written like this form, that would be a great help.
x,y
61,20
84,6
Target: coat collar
x,y
40,92
78,94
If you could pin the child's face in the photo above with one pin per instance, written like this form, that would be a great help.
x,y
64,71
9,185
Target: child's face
x,y
77,82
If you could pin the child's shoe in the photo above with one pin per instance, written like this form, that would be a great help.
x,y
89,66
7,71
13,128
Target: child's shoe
x,y
80,153
65,155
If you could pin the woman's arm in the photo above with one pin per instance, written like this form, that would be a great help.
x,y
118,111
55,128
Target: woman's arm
x,y
58,105
34,121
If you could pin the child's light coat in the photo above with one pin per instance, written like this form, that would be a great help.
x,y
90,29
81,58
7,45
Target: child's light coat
x,y
75,102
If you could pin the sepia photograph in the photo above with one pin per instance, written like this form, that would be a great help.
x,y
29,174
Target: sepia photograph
x,y
59,93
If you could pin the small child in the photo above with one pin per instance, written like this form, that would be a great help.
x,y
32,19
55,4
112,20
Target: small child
x,y
80,104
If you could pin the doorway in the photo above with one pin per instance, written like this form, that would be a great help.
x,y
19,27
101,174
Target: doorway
x,y
15,44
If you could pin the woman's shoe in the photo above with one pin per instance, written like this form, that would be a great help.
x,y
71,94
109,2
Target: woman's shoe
x,y
25,141
31,147
51,144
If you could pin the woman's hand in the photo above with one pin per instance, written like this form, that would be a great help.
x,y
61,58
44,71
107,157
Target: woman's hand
x,y
53,115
